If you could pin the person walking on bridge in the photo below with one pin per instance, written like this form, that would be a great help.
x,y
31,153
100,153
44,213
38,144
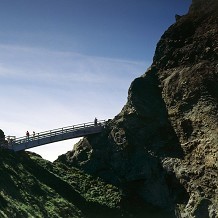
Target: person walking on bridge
x,y
27,135
96,121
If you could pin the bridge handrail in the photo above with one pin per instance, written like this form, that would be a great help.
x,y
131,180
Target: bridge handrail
x,y
58,131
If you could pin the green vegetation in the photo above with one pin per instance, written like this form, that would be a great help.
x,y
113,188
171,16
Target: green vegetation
x,y
33,187
92,189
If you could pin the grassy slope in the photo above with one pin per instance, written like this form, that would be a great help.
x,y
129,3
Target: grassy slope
x,y
33,187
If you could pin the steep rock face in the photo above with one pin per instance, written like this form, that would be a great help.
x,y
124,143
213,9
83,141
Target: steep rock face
x,y
187,61
161,149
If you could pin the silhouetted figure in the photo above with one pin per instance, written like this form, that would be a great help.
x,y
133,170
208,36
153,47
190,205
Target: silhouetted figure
x,y
96,121
34,134
27,135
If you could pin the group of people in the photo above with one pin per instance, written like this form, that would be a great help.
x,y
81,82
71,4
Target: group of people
x,y
34,134
28,134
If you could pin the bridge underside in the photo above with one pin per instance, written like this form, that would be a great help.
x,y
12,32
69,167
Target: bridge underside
x,y
54,137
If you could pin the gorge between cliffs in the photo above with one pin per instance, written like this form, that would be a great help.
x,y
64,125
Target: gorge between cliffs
x,y
157,158
161,149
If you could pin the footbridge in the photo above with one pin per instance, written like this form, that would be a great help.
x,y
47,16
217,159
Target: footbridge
x,y
55,135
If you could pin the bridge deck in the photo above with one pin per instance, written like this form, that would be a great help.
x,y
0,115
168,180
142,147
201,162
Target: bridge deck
x,y
56,135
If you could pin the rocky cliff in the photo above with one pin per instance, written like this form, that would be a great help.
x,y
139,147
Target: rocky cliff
x,y
161,150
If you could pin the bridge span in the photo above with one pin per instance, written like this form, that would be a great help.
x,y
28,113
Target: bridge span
x,y
56,135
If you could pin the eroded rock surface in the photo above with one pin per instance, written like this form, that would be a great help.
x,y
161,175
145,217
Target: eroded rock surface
x,y
162,148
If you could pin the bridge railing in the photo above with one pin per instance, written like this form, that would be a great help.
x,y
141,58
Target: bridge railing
x,y
55,132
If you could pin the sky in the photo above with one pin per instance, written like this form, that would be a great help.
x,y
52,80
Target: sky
x,y
65,62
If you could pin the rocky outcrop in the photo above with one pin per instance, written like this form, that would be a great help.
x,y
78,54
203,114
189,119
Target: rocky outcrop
x,y
2,135
187,61
161,149
3,142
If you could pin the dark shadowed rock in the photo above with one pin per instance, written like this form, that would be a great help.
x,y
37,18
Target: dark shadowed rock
x,y
2,135
161,150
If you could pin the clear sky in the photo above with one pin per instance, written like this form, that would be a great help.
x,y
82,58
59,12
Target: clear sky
x,y
64,62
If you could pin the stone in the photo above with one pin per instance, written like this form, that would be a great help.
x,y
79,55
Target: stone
x,y
162,148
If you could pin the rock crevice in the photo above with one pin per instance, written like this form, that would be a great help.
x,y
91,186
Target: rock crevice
x,y
161,149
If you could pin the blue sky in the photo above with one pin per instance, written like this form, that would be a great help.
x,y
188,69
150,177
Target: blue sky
x,y
63,62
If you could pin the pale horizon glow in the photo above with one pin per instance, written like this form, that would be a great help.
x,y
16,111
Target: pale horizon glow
x,y
64,62
45,100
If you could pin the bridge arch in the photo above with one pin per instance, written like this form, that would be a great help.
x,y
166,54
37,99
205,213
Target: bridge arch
x,y
55,135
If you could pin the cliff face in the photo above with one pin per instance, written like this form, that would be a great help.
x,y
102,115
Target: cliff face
x,y
161,149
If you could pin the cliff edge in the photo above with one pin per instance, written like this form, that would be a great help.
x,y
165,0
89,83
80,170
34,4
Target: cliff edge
x,y
161,150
